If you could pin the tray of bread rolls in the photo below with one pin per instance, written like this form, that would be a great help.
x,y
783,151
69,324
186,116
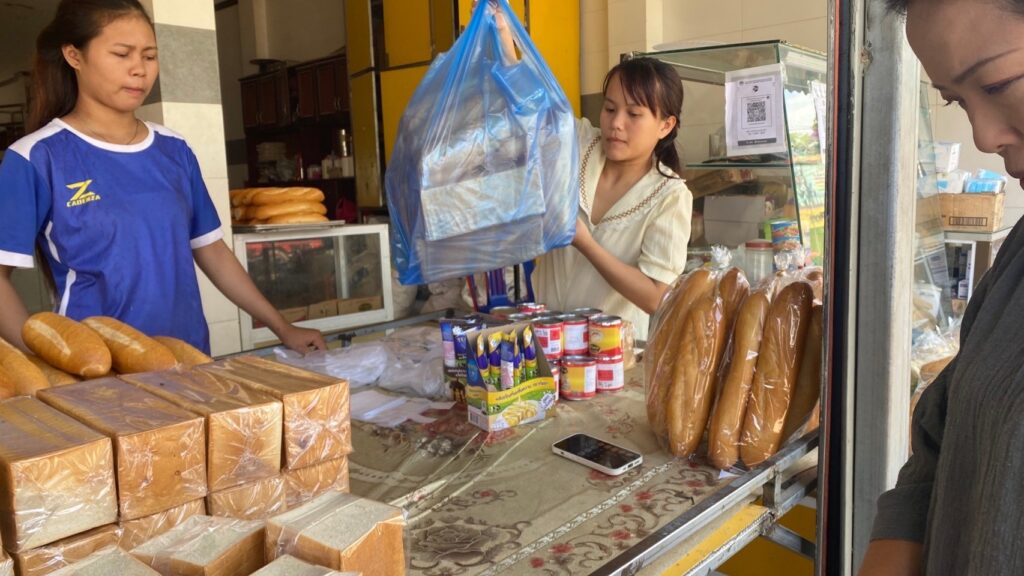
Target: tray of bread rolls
x,y
271,209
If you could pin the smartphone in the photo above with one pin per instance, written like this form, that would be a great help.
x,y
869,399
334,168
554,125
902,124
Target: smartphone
x,y
597,454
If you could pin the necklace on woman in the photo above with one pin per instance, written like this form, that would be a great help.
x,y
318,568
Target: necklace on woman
x,y
135,134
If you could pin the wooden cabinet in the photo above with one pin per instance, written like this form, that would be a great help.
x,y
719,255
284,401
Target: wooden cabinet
x,y
322,89
265,100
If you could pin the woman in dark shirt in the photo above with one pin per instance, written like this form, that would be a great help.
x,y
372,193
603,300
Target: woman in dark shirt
x,y
958,507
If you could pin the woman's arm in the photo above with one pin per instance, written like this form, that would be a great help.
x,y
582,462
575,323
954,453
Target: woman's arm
x,y
892,558
630,281
220,265
13,313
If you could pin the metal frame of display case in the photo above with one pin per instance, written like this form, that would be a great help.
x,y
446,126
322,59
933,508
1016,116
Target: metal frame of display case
x,y
252,336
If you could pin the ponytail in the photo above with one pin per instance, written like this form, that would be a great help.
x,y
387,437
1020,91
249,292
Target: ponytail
x,y
54,89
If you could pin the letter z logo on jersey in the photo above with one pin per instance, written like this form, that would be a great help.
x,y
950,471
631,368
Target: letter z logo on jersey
x,y
82,194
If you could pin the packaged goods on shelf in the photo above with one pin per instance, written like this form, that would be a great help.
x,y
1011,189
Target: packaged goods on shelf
x,y
160,449
316,407
305,484
291,566
341,532
107,562
257,500
46,559
58,475
243,426
705,182
136,532
206,545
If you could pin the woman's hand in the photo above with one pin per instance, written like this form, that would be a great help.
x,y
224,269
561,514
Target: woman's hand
x,y
508,45
301,340
583,238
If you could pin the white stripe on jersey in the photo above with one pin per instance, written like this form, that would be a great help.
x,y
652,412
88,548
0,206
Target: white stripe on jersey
x,y
68,281
16,260
206,239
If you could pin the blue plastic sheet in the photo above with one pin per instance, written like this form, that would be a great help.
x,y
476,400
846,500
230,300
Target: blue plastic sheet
x,y
484,172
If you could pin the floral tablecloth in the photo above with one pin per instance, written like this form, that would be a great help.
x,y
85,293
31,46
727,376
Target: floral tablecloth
x,y
505,504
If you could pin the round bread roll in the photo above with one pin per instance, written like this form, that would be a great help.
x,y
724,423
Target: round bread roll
x,y
304,218
280,195
272,210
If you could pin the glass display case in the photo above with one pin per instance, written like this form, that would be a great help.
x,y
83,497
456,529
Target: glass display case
x,y
756,166
327,277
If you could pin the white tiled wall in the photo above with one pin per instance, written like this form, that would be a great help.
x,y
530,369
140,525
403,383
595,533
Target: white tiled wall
x,y
594,44
191,13
800,22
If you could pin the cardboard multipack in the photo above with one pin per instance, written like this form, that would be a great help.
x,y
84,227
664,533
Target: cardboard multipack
x,y
54,556
291,566
316,407
305,484
257,500
160,449
243,426
342,532
56,474
140,530
107,562
492,408
206,546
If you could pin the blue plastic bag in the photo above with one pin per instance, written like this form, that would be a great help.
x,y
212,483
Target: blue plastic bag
x,y
484,172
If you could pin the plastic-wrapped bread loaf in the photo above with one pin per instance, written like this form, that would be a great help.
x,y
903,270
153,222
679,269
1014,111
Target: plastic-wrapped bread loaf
x,y
135,532
46,559
57,475
160,449
55,376
186,354
257,500
808,384
342,532
305,484
291,566
782,345
25,376
316,407
206,546
731,408
6,565
67,345
107,562
131,351
244,426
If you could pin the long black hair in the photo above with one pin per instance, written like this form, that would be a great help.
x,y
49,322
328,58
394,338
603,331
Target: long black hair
x,y
900,6
77,22
655,85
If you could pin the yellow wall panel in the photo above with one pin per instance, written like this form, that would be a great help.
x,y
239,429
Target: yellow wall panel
x,y
365,146
359,39
396,88
555,30
406,32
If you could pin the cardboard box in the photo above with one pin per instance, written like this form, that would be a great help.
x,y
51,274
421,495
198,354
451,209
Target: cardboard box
x,y
304,484
159,448
733,220
492,409
108,561
706,182
971,212
341,532
135,532
46,559
253,501
317,427
206,546
56,474
244,427
356,305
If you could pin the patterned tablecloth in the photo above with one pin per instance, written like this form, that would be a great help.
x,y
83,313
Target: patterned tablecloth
x,y
504,503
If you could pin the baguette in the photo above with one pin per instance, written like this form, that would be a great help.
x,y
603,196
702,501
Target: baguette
x,y
272,210
727,422
25,376
186,354
6,387
131,350
297,219
808,383
239,214
660,365
54,376
782,345
692,387
734,288
238,197
817,281
279,195
67,345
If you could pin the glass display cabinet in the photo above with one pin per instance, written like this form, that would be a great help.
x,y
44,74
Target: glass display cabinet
x,y
327,276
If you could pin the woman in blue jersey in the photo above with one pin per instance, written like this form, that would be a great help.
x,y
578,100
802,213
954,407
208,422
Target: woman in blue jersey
x,y
116,206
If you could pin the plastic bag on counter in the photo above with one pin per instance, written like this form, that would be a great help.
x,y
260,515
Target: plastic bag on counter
x,y
689,336
484,171
415,363
360,364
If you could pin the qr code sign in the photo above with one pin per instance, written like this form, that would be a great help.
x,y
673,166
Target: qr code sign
x,y
757,112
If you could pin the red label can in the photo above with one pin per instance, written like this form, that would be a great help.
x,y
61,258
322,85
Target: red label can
x,y
576,334
531,308
605,336
579,377
610,374
587,312
549,334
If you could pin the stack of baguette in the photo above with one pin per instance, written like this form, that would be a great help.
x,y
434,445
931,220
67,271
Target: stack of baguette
x,y
277,206
743,365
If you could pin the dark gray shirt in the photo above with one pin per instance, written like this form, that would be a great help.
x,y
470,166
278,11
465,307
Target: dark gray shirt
x,y
962,491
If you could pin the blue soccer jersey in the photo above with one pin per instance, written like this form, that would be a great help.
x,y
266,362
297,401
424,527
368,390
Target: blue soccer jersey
x,y
117,225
